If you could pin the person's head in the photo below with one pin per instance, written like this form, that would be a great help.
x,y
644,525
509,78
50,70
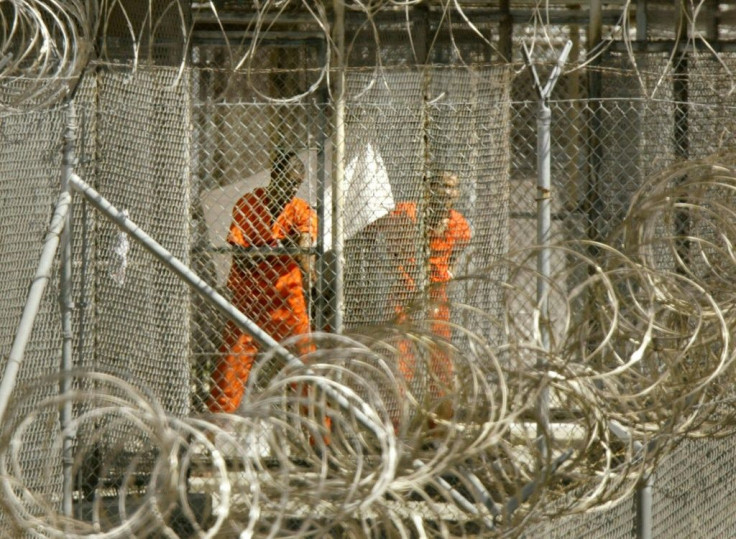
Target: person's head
x,y
444,190
287,175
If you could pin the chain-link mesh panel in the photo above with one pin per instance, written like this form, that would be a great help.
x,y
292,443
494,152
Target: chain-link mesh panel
x,y
401,130
240,145
404,128
29,186
451,122
132,314
616,521
691,493
143,169
602,150
162,135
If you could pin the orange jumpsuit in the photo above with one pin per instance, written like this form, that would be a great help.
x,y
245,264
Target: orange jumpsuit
x,y
442,247
270,291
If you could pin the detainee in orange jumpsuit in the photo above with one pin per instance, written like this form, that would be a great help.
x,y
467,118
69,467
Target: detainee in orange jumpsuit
x,y
267,289
448,234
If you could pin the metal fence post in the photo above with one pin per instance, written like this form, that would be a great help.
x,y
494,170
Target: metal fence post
x,y
323,306
67,307
338,174
594,206
644,508
544,222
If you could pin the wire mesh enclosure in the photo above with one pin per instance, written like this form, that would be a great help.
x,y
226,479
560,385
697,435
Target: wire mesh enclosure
x,y
396,140
285,272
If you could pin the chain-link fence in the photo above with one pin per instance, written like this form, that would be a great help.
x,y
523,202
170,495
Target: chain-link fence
x,y
402,132
214,181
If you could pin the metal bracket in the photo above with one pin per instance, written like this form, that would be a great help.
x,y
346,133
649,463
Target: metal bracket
x,y
545,92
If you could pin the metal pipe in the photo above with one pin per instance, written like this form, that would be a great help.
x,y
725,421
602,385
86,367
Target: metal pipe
x,y
81,304
595,25
641,20
505,31
710,17
593,203
553,14
321,320
67,307
420,33
544,214
644,519
178,267
680,90
644,509
544,223
210,294
33,301
544,220
338,174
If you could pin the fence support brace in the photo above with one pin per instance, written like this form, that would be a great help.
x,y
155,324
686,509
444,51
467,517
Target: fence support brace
x,y
210,294
33,301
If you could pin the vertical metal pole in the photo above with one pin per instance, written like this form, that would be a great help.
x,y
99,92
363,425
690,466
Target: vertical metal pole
x,y
641,20
680,86
680,91
595,25
644,509
67,307
644,489
338,174
421,278
544,214
544,226
321,286
709,17
593,202
420,33
505,31
544,221
81,307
